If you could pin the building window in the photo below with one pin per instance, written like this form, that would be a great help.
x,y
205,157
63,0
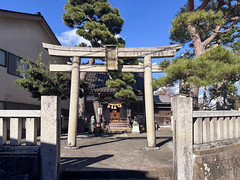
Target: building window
x,y
3,58
13,62
1,105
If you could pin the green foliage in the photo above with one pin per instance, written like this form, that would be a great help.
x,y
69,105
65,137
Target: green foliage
x,y
204,21
164,64
214,66
95,20
38,80
123,82
99,23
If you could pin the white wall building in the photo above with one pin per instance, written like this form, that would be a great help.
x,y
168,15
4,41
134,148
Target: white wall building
x,y
21,36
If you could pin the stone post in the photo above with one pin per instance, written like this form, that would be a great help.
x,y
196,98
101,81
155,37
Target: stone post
x,y
182,138
151,134
3,131
15,131
74,97
96,106
31,131
50,137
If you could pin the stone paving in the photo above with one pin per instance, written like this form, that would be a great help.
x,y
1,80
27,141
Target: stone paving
x,y
118,152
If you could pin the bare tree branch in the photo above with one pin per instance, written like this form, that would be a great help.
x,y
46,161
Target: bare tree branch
x,y
212,37
237,19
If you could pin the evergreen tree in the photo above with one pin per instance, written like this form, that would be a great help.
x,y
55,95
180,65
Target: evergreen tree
x,y
205,25
95,20
99,23
216,67
38,80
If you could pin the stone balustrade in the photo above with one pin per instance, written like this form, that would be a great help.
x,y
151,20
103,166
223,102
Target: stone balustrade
x,y
214,128
195,132
47,151
16,118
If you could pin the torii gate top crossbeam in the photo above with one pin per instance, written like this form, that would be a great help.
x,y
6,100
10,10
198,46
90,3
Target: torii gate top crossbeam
x,y
91,52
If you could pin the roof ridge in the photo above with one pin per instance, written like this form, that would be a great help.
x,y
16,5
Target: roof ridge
x,y
11,11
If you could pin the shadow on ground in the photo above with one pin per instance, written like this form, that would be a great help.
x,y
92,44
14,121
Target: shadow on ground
x,y
118,139
70,164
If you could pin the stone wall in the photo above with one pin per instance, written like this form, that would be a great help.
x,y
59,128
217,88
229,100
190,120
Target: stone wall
x,y
218,163
19,162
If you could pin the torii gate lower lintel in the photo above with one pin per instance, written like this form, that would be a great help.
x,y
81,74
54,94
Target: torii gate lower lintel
x,y
111,53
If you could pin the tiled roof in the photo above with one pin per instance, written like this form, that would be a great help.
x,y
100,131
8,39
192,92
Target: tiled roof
x,y
97,83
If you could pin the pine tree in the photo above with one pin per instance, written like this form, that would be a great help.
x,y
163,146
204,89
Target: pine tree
x,y
217,67
95,20
38,80
204,25
100,23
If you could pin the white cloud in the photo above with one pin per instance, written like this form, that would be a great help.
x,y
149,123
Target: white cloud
x,y
70,38
118,36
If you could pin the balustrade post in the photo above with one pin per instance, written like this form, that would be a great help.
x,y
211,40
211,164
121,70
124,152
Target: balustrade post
x,y
198,131
238,127
3,131
31,131
15,131
220,131
213,129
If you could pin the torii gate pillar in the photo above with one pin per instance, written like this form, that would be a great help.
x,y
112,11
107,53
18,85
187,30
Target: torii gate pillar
x,y
149,106
74,96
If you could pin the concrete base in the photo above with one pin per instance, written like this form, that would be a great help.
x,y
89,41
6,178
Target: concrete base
x,y
71,147
151,148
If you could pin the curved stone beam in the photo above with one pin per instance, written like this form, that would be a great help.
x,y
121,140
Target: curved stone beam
x,y
88,52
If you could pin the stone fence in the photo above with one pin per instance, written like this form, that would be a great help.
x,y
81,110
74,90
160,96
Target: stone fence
x,y
39,160
200,132
215,128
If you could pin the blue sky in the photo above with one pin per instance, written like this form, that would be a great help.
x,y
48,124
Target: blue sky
x,y
146,23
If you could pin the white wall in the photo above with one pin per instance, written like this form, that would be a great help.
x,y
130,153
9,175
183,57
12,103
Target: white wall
x,y
22,38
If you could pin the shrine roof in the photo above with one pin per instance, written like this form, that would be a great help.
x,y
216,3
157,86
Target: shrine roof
x,y
97,83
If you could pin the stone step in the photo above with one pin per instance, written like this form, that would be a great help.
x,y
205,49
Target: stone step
x,y
119,129
118,125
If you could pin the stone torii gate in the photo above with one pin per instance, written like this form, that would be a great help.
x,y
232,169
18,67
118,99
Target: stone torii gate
x,y
111,53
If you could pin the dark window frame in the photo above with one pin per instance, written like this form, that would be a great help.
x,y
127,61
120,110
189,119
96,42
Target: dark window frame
x,y
6,57
8,64
3,104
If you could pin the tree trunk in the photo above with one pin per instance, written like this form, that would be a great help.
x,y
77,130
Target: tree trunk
x,y
82,101
194,94
199,49
222,96
219,105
